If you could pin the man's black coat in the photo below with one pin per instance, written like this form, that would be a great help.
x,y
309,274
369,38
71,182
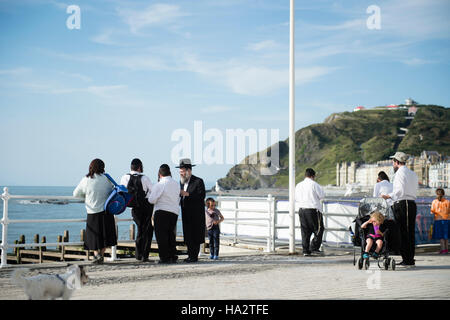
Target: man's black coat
x,y
193,211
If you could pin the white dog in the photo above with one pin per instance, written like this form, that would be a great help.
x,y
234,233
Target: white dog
x,y
51,286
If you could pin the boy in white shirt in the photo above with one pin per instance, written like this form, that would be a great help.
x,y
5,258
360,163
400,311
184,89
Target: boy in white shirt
x,y
165,196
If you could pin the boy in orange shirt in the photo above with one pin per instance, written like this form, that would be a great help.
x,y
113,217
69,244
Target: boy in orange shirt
x,y
440,207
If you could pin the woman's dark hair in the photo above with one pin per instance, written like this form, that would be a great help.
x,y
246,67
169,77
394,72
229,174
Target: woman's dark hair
x,y
97,166
383,176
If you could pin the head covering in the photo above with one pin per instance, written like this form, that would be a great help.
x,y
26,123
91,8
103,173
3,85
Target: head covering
x,y
186,163
400,156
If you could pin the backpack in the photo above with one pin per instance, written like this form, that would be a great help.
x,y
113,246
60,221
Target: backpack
x,y
118,199
136,189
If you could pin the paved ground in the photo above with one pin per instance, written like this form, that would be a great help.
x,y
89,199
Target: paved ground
x,y
250,274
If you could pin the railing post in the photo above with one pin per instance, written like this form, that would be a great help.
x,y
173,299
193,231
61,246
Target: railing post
x,y
4,246
269,223
236,206
274,223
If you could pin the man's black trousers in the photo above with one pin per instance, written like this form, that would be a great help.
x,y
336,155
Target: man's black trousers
x,y
165,224
142,216
311,222
405,212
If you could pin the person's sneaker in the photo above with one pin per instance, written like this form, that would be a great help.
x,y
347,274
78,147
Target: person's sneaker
x,y
216,258
307,254
365,255
375,255
211,257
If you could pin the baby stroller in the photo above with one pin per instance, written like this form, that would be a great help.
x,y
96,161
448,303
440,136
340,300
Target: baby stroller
x,y
366,207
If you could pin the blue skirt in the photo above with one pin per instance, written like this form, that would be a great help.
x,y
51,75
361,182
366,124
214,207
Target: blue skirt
x,y
441,229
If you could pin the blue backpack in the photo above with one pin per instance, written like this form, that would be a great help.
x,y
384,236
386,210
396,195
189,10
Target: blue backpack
x,y
118,199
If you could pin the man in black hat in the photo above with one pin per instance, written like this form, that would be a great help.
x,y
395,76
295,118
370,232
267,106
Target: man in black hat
x,y
192,209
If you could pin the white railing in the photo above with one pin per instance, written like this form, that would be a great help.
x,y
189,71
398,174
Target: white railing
x,y
269,220
246,218
236,215
5,221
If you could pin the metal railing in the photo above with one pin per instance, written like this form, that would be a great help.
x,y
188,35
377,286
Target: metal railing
x,y
5,222
269,222
271,219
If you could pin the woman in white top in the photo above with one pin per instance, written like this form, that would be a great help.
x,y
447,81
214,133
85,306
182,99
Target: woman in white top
x,y
100,226
383,186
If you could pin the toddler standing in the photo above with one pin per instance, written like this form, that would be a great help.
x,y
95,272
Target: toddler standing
x,y
213,219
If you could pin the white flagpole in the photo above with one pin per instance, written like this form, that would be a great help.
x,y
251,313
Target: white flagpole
x,y
291,133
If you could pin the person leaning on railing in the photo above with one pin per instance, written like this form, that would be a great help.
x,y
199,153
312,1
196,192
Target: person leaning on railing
x,y
95,188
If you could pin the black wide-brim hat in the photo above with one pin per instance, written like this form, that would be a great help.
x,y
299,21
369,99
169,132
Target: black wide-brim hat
x,y
186,163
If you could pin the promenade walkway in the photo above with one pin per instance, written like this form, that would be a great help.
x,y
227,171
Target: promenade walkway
x,y
251,274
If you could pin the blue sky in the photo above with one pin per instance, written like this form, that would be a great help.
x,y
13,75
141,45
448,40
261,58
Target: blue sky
x,y
136,71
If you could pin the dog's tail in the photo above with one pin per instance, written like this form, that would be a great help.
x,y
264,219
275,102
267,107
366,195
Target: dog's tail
x,y
18,276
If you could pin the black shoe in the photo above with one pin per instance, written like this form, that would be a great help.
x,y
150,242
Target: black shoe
x,y
317,253
404,264
145,260
174,259
307,254
165,261
189,260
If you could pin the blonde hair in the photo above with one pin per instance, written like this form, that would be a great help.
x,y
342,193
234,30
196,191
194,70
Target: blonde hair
x,y
378,216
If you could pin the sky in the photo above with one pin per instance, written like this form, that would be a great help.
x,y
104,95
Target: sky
x,y
122,79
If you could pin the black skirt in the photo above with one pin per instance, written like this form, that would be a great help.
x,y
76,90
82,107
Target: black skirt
x,y
100,231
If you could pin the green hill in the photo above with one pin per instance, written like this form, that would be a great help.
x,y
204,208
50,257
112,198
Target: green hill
x,y
363,136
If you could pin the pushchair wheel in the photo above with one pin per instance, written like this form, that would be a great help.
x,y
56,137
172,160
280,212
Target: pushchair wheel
x,y
386,263
393,264
360,263
366,264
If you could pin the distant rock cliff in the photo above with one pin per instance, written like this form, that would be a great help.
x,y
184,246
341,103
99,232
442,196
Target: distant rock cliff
x,y
364,136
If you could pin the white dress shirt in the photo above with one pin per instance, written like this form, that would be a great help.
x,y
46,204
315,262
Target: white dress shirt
x,y
406,185
383,188
146,182
95,192
165,195
308,194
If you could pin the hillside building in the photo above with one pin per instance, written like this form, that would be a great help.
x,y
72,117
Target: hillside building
x,y
430,167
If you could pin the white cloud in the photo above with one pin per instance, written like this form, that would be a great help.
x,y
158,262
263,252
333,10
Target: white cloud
x,y
155,15
416,61
262,45
106,91
216,109
253,79
15,72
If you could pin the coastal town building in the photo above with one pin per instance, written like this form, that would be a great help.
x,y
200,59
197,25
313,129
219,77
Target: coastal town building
x,y
432,169
439,175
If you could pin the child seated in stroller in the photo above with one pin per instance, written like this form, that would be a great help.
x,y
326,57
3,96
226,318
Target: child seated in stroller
x,y
376,222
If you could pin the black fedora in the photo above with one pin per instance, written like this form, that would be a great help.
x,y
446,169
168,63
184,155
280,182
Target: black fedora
x,y
186,163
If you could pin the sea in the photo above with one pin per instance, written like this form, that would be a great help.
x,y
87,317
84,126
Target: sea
x,y
61,209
